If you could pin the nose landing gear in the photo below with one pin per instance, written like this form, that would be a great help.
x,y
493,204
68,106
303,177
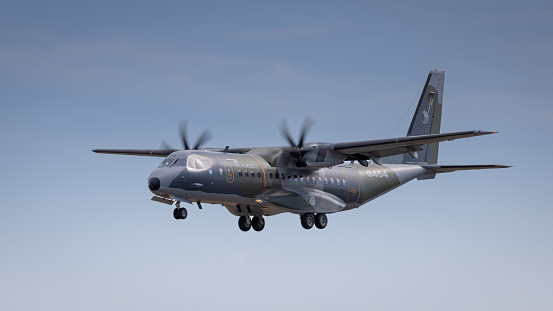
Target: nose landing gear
x,y
180,212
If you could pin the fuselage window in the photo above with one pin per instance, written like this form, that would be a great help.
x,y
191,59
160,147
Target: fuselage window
x,y
239,173
283,177
326,181
344,181
307,179
259,174
301,178
337,181
246,173
210,172
296,177
320,180
252,174
332,181
271,175
289,176
313,179
221,172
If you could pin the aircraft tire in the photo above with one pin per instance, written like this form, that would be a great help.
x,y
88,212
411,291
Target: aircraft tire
x,y
183,213
243,225
258,223
176,213
307,220
321,220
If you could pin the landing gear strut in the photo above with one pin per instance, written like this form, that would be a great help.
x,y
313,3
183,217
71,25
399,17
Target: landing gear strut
x,y
180,212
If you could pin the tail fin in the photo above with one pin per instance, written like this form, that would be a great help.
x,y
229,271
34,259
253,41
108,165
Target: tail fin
x,y
427,118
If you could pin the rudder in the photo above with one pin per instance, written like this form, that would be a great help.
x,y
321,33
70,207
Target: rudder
x,y
427,118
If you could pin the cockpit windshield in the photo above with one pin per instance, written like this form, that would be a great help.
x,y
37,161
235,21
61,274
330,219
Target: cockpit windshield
x,y
195,163
180,162
166,162
173,162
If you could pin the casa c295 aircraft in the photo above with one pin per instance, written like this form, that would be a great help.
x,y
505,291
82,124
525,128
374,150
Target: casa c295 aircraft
x,y
308,179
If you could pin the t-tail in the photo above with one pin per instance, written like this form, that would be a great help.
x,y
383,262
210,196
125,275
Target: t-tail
x,y
427,119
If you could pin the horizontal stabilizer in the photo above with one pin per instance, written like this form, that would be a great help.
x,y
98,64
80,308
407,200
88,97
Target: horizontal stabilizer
x,y
452,168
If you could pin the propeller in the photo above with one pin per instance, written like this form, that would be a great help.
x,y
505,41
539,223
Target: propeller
x,y
297,152
204,137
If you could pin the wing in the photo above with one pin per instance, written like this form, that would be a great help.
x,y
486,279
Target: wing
x,y
351,150
163,152
387,147
138,152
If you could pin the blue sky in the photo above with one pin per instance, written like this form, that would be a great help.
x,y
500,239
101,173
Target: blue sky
x,y
78,230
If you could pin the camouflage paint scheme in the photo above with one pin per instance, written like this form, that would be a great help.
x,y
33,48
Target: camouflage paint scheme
x,y
312,179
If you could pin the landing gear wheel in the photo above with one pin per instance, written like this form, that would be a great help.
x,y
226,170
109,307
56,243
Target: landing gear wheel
x,y
180,213
321,220
258,223
307,220
176,213
244,224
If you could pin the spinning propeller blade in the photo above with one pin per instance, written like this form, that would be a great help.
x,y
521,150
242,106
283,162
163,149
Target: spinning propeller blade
x,y
204,137
297,151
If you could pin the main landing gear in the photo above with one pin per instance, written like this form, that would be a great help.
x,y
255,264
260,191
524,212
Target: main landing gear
x,y
180,212
257,223
308,220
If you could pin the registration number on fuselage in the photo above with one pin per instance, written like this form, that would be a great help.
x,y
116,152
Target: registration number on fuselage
x,y
379,174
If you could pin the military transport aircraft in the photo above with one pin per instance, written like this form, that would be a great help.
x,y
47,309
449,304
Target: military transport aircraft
x,y
307,179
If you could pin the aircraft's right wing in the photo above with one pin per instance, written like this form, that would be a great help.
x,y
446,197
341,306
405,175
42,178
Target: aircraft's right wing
x,y
387,147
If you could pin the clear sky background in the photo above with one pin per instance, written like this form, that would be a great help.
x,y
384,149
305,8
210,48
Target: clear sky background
x,y
78,229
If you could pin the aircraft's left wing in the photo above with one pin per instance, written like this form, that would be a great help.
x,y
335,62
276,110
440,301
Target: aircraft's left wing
x,y
138,152
387,147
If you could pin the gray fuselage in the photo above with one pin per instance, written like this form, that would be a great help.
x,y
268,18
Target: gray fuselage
x,y
249,184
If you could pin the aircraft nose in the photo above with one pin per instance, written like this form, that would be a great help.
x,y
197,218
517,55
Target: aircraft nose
x,y
154,183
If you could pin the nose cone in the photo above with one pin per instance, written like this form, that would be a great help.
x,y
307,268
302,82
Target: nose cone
x,y
154,184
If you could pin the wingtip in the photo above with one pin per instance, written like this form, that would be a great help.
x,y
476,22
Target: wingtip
x,y
480,132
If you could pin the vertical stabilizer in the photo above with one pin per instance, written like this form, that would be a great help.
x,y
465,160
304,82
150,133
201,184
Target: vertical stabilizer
x,y
427,118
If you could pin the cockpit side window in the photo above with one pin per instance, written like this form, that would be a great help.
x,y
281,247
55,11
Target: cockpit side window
x,y
167,162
